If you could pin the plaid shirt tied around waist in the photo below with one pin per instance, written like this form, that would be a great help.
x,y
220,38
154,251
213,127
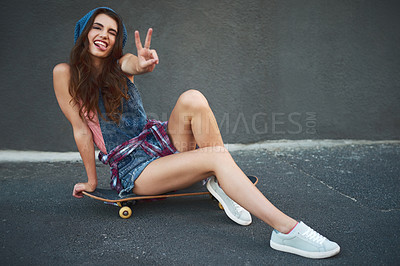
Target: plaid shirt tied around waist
x,y
154,127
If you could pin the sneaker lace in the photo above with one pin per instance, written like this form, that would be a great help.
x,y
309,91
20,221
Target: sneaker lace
x,y
314,236
238,208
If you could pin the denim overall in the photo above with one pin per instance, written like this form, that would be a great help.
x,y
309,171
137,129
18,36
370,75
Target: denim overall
x,y
132,123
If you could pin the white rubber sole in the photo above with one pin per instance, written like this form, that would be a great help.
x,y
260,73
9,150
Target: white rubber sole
x,y
226,209
307,254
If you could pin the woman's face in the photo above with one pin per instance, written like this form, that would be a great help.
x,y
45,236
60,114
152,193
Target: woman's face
x,y
102,36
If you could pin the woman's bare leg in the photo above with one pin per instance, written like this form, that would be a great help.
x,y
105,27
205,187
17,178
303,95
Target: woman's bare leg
x,y
192,122
179,171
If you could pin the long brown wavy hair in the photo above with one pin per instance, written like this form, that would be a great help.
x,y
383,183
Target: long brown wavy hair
x,y
85,82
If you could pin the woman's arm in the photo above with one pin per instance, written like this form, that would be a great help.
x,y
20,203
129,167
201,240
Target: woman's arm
x,y
82,134
146,60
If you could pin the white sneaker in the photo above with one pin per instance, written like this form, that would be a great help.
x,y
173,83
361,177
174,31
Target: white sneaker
x,y
234,211
304,241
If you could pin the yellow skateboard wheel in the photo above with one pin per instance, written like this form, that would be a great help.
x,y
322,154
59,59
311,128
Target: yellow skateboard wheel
x,y
125,212
220,206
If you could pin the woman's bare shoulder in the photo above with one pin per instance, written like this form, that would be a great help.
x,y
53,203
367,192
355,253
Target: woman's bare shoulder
x,y
61,77
62,69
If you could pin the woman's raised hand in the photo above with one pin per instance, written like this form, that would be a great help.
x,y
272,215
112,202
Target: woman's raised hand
x,y
147,58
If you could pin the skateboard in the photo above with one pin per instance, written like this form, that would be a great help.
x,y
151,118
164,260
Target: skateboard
x,y
126,202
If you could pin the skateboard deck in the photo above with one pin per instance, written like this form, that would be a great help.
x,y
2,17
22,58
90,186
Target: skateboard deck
x,y
125,202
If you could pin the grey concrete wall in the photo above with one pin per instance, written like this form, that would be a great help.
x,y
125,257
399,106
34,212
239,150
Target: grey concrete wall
x,y
270,69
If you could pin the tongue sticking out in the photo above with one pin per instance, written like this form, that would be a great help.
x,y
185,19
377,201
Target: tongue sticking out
x,y
100,46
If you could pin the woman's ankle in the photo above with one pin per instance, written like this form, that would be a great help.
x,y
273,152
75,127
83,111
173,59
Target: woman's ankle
x,y
288,227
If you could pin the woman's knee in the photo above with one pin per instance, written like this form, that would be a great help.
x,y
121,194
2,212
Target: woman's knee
x,y
193,100
216,156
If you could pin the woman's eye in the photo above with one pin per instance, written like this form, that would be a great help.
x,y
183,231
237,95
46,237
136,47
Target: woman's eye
x,y
96,28
113,33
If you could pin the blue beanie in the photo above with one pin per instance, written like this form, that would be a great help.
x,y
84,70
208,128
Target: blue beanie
x,y
80,26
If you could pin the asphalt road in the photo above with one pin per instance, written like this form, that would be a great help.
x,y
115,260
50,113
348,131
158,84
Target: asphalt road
x,y
348,193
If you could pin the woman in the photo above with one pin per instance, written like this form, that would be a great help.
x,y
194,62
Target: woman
x,y
96,93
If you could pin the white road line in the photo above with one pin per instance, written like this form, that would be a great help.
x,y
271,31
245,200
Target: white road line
x,y
276,145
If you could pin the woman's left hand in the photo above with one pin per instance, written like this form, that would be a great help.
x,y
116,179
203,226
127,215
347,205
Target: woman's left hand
x,y
147,58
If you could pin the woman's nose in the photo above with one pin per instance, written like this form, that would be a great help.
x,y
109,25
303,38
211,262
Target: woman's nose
x,y
103,34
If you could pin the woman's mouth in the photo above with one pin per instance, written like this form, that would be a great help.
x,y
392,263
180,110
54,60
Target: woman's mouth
x,y
101,45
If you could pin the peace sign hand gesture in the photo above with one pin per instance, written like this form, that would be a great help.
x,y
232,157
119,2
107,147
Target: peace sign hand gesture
x,y
147,58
